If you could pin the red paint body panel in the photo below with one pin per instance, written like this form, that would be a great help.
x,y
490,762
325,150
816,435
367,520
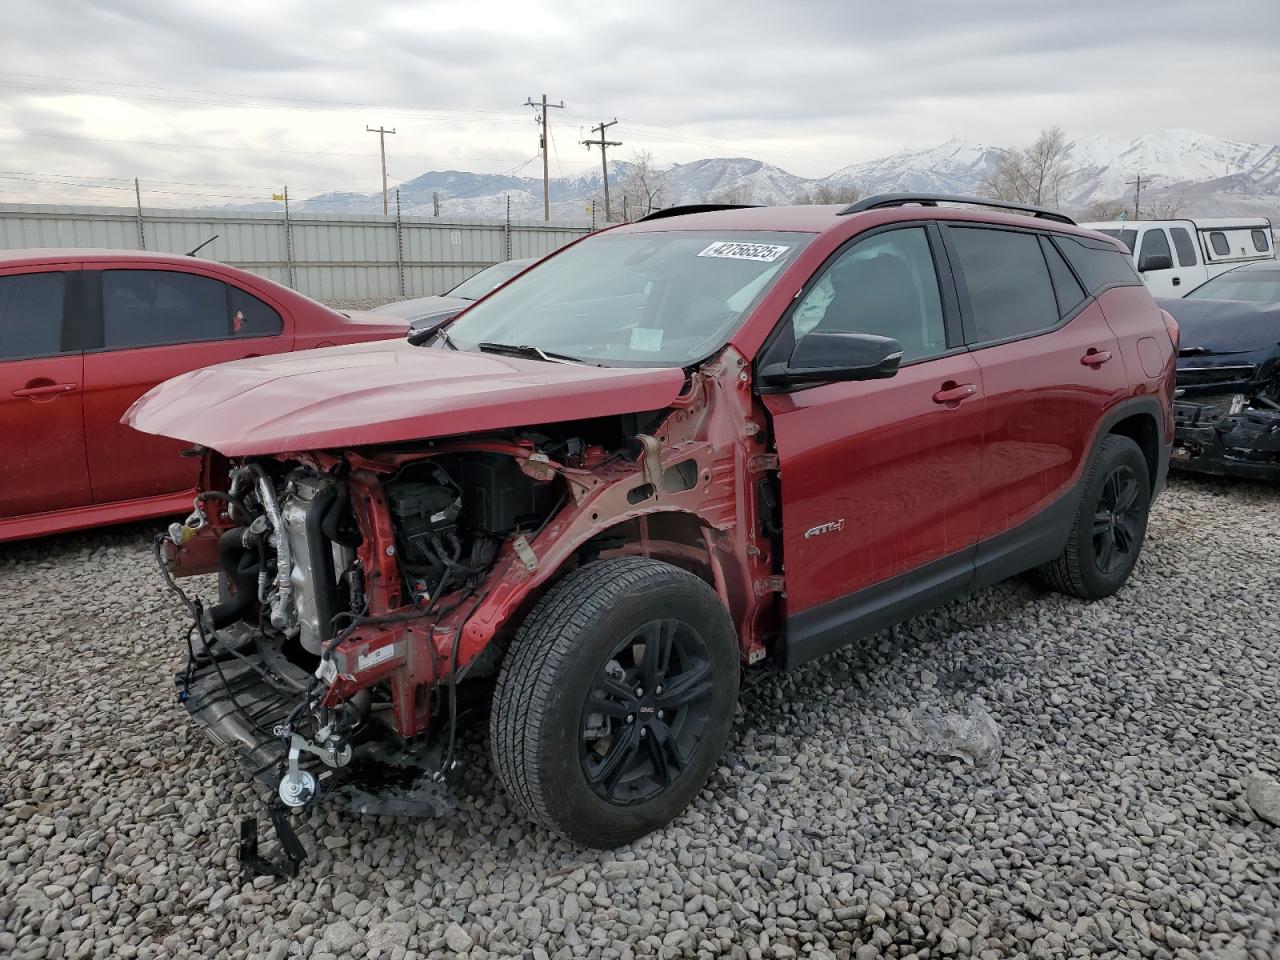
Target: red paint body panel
x,y
383,393
900,473
1042,407
68,455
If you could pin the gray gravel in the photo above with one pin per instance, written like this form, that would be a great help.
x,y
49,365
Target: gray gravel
x,y
1112,821
367,303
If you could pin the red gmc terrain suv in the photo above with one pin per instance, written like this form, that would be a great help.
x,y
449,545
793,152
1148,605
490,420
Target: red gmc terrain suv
x,y
709,439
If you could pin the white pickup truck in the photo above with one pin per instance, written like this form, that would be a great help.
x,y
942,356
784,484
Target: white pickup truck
x,y
1174,257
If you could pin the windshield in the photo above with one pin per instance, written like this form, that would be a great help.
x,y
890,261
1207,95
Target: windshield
x,y
667,298
473,288
1259,286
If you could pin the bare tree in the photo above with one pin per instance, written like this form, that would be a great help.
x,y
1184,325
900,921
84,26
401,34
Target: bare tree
x,y
642,185
827,193
1037,174
737,193
1103,210
1167,207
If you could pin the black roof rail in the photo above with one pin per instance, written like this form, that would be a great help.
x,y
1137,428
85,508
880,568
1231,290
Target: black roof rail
x,y
881,200
692,208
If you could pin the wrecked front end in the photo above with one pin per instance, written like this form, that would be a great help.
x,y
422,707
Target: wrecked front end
x,y
1227,420
367,594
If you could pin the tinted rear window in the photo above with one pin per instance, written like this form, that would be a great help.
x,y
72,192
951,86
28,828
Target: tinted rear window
x,y
1182,243
1099,265
1260,242
250,317
1218,240
31,315
1010,294
1128,237
1065,285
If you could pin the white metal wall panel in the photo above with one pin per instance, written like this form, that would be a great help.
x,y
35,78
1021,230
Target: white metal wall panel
x,y
335,257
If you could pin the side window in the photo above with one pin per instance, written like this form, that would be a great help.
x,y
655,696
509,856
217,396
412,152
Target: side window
x,y
31,315
886,285
1260,242
144,308
250,317
1182,243
1218,240
1155,244
1097,263
1069,292
1010,294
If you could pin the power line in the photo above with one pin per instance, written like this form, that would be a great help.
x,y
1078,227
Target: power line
x,y
604,146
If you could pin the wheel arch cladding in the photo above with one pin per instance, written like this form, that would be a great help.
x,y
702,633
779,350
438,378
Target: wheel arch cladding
x,y
1143,430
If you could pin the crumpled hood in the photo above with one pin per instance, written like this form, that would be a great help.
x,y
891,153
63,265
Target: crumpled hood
x,y
1210,327
385,392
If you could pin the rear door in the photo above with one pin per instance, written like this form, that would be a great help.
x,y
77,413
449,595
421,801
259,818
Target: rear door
x,y
153,324
41,392
879,479
1050,367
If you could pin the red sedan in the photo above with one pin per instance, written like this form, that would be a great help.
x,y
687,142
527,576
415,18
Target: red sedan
x,y
84,333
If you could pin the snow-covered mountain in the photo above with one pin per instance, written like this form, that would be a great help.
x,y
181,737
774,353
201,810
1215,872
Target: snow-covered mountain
x,y
1194,173
956,166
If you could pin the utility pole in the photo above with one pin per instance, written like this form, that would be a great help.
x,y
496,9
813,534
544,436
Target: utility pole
x,y
545,144
604,146
382,143
142,233
1137,194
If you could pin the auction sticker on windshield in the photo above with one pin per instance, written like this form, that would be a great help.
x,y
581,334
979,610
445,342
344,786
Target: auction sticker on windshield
x,y
737,250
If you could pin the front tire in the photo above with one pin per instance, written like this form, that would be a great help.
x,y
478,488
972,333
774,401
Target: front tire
x,y
615,700
1110,525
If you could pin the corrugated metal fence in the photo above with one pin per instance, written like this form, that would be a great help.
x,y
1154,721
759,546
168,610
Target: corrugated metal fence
x,y
324,256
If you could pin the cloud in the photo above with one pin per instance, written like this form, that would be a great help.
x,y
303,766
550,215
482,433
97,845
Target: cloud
x,y
251,94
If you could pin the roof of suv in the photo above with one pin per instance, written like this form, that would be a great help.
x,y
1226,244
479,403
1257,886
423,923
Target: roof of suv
x,y
805,218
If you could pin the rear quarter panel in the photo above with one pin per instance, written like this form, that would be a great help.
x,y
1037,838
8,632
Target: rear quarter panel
x,y
1150,358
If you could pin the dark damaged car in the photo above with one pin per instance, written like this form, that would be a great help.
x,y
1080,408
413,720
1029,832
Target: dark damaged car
x,y
1227,410
673,450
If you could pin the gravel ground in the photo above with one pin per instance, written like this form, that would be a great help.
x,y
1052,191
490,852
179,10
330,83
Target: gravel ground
x,y
1111,823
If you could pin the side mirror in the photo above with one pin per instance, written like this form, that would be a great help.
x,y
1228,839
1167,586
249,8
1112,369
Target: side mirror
x,y
1155,261
831,357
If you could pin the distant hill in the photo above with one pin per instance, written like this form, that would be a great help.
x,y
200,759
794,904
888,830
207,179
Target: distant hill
x,y
1192,173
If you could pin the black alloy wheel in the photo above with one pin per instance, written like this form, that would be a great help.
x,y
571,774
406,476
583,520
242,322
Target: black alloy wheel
x,y
648,706
1117,522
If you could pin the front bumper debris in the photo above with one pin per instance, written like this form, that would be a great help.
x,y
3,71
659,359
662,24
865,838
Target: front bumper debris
x,y
244,702
1221,436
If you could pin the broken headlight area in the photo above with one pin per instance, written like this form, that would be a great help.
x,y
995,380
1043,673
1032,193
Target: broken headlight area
x,y
1234,434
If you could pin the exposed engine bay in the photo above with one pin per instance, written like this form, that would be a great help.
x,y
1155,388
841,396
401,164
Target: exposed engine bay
x,y
294,587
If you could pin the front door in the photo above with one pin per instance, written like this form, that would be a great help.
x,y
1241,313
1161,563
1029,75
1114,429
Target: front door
x,y
157,324
42,450
879,479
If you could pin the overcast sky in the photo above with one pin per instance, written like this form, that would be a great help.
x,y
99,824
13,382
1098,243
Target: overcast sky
x,y
221,101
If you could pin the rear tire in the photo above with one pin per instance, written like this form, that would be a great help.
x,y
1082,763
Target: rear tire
x,y
577,741
1110,525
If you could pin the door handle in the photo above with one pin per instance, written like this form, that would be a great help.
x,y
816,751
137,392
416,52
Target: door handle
x,y
1177,281
1095,357
952,393
46,390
